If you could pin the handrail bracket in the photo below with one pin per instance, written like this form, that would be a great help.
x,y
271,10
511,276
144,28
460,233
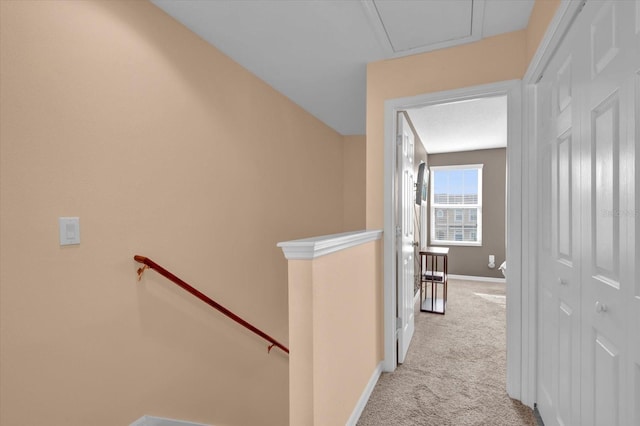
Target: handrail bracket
x,y
141,271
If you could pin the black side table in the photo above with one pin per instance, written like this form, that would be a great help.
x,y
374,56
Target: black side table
x,y
433,279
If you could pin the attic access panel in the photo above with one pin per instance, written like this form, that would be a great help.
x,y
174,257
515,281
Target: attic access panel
x,y
423,25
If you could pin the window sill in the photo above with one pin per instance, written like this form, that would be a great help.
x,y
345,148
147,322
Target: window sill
x,y
457,243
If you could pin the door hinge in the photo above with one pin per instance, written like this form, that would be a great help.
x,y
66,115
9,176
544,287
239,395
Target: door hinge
x,y
398,231
399,140
398,323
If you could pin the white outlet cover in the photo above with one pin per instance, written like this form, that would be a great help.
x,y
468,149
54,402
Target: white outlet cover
x,y
69,230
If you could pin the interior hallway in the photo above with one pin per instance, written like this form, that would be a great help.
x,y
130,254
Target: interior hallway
x,y
455,371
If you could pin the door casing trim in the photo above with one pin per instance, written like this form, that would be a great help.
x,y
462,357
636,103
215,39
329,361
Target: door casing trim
x,y
522,288
512,89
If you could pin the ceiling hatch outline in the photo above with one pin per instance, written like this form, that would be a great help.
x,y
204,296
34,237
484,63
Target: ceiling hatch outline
x,y
389,33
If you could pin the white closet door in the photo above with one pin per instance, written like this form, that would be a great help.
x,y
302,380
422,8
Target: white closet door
x,y
559,253
633,221
608,183
589,285
634,308
547,293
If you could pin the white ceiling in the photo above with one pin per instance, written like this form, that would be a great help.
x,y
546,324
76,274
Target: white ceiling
x,y
315,51
462,126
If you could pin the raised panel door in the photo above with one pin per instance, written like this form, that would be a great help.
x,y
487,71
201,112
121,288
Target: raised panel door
x,y
406,262
558,251
608,186
590,376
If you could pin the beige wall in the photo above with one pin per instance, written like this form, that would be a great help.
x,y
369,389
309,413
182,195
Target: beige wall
x,y
474,260
494,59
541,15
335,305
301,315
500,58
113,112
355,183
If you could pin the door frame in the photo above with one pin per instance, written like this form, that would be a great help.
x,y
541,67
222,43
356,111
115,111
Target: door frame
x,y
521,213
512,89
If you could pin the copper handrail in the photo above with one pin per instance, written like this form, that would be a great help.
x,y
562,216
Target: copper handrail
x,y
153,265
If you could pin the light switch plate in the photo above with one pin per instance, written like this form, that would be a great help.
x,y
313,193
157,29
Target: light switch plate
x,y
69,230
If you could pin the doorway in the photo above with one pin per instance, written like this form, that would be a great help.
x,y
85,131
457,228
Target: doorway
x,y
510,89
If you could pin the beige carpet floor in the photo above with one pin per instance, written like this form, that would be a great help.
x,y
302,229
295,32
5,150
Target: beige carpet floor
x,y
455,371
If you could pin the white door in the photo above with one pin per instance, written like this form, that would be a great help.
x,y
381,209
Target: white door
x,y
405,234
547,292
559,246
589,287
633,235
610,383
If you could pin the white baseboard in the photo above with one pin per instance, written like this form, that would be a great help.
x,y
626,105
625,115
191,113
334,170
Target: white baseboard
x,y
472,278
364,398
159,421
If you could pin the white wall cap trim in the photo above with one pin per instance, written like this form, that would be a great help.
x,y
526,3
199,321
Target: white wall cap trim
x,y
310,248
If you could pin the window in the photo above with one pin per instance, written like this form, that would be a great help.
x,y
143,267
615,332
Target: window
x,y
456,205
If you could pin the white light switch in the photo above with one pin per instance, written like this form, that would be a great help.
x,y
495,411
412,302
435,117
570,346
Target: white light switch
x,y
69,230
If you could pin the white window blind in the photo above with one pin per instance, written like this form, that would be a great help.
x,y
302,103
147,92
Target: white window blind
x,y
456,205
